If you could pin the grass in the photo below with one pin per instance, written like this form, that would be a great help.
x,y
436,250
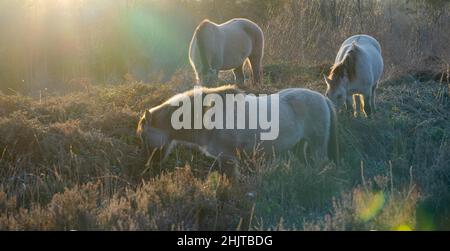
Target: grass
x,y
72,161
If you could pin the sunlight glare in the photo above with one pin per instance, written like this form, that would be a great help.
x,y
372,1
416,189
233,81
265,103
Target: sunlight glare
x,y
403,227
369,204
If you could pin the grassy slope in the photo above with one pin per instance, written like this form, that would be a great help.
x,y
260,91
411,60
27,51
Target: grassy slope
x,y
72,162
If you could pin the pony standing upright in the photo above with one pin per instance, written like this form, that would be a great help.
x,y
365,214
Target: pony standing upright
x,y
226,46
357,70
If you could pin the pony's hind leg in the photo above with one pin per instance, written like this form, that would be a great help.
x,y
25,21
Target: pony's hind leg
x,y
255,62
239,74
316,149
372,99
319,154
368,105
301,151
359,104
350,105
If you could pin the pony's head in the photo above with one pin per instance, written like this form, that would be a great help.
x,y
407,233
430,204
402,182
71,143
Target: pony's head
x,y
337,90
340,76
154,141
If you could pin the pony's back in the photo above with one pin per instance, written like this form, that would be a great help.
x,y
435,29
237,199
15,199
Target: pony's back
x,y
216,47
362,40
367,56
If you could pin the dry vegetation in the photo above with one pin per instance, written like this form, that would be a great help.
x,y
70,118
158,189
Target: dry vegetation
x,y
69,157
73,162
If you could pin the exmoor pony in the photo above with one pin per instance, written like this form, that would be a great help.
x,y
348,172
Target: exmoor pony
x,y
216,47
357,70
304,116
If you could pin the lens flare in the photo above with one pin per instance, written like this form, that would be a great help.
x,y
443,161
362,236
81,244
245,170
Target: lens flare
x,y
368,204
403,227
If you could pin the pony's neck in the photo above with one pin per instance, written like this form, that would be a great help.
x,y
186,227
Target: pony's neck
x,y
190,136
346,68
185,135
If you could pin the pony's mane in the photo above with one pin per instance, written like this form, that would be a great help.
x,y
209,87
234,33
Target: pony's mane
x,y
221,90
347,65
161,110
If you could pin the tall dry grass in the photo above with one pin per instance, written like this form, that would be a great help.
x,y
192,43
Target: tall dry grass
x,y
70,159
413,34
73,162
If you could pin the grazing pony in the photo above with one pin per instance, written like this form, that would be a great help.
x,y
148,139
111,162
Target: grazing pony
x,y
357,70
226,46
304,116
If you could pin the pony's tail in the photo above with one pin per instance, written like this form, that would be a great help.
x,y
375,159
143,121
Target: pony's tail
x,y
201,35
333,143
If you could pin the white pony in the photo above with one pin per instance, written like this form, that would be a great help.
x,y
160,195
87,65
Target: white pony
x,y
305,116
226,46
357,70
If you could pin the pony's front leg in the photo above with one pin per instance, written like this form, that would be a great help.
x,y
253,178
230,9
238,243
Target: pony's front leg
x,y
209,77
229,166
215,76
239,74
202,80
349,104
359,104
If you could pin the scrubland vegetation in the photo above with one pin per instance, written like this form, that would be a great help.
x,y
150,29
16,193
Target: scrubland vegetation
x,y
70,159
